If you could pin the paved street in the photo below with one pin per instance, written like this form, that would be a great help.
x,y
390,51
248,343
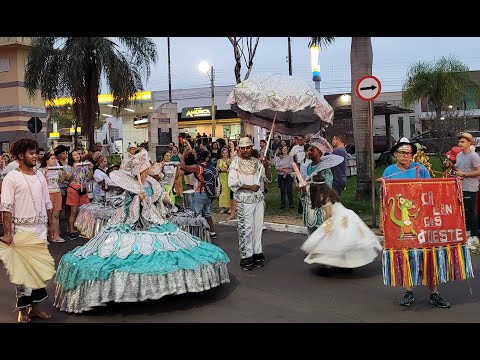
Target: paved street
x,y
285,290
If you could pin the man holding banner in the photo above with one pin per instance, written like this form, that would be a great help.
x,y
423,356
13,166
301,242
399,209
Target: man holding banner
x,y
425,238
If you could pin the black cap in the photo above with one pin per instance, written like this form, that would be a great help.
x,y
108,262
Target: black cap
x,y
403,141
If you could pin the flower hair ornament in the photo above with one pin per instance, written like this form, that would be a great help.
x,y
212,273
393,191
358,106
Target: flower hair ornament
x,y
319,142
97,157
156,170
138,163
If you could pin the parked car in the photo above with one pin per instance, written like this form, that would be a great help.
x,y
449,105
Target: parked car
x,y
436,144
380,144
432,143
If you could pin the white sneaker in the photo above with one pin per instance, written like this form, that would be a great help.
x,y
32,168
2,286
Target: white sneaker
x,y
472,242
58,239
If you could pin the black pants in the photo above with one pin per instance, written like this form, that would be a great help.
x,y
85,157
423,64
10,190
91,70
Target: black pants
x,y
27,296
339,187
286,189
470,204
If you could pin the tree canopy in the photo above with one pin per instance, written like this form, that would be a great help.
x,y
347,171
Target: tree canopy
x,y
442,82
75,66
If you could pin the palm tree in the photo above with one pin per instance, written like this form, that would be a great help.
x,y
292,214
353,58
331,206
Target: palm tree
x,y
321,41
361,59
443,82
75,66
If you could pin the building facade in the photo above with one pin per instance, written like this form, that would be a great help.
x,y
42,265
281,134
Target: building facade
x,y
16,107
192,108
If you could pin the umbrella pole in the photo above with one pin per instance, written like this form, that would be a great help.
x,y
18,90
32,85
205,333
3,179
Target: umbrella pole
x,y
270,135
266,147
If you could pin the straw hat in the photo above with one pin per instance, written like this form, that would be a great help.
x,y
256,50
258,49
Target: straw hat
x,y
467,136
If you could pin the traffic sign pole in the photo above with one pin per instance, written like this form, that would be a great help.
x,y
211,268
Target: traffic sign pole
x,y
35,129
368,88
372,165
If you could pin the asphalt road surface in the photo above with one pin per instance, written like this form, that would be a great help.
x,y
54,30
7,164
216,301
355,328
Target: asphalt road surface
x,y
286,290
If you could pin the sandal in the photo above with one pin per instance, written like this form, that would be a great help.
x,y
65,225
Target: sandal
x,y
40,314
23,316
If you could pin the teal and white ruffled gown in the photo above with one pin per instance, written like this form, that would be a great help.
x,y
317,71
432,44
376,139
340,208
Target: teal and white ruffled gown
x,y
137,256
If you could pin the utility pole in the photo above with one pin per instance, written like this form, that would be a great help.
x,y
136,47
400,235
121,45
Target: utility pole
x,y
212,84
289,57
169,74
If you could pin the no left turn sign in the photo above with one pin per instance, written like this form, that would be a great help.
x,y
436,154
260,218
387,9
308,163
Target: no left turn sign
x,y
368,88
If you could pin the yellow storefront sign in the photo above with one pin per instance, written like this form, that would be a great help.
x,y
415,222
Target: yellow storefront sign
x,y
198,112
72,130
102,99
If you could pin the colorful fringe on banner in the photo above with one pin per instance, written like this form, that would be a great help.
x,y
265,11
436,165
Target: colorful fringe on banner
x,y
426,266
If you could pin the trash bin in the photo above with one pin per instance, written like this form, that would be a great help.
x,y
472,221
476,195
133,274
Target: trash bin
x,y
351,167
188,198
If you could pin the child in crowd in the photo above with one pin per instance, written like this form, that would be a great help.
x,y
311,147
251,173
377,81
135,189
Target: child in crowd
x,y
343,240
54,175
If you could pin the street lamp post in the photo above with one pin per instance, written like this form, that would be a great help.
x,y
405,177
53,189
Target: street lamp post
x,y
315,63
206,68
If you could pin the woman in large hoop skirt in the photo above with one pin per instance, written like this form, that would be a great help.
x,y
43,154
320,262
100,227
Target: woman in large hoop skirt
x,y
139,255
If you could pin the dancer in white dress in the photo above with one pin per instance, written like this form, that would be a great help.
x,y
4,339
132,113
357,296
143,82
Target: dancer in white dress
x,y
343,240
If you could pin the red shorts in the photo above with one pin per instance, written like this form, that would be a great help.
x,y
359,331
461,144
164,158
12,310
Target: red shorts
x,y
73,199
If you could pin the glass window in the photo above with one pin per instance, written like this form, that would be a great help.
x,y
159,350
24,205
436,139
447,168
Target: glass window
x,y
412,125
191,131
400,127
470,101
231,131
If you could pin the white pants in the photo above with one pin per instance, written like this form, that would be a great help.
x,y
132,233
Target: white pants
x,y
250,226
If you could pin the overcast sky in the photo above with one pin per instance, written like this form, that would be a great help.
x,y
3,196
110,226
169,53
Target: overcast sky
x,y
391,59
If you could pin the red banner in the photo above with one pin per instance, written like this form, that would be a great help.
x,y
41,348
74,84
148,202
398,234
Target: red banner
x,y
423,213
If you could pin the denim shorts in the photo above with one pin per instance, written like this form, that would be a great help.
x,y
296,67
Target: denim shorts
x,y
201,204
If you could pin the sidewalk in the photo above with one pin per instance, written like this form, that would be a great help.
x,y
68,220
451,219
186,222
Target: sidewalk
x,y
276,223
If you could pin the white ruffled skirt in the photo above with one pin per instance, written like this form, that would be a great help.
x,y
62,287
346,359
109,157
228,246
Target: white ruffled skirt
x,y
343,240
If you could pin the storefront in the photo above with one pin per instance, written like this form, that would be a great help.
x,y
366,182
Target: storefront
x,y
194,120
129,126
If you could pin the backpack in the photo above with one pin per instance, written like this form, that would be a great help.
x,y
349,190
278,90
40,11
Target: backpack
x,y
211,180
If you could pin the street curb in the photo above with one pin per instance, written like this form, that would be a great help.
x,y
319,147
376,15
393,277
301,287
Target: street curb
x,y
275,227
281,227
